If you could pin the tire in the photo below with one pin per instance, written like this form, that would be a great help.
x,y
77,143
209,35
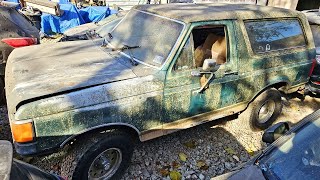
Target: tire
x,y
94,155
264,110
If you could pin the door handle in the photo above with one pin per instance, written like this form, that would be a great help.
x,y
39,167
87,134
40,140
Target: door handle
x,y
230,73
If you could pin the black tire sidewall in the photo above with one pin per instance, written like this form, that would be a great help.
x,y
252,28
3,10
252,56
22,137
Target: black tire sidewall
x,y
271,94
120,141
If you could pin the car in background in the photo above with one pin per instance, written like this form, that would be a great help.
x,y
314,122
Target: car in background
x,y
93,30
313,17
293,153
13,169
15,31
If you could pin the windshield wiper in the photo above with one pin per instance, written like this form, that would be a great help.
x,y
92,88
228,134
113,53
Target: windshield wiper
x,y
106,41
110,35
93,34
126,47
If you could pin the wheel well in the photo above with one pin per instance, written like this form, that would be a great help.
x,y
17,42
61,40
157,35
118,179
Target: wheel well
x,y
134,134
277,86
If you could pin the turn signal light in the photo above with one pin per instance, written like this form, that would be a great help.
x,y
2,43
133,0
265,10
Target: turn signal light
x,y
20,42
22,132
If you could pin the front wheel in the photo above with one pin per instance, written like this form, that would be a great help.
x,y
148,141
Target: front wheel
x,y
264,110
104,157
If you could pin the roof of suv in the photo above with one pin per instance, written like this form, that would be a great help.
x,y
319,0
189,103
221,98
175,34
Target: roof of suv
x,y
201,12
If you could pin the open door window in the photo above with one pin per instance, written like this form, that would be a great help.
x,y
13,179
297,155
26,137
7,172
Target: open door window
x,y
210,42
204,42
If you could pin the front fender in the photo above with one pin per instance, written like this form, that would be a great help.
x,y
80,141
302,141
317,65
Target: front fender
x,y
124,126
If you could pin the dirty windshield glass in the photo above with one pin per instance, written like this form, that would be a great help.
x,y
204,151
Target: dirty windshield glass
x,y
271,35
155,35
103,30
299,157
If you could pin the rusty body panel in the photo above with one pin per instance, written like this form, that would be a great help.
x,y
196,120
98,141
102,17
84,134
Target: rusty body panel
x,y
71,88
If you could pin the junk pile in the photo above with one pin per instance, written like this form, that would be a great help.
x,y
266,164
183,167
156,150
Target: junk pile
x,y
57,17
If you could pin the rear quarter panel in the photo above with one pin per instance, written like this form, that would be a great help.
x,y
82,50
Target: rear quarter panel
x,y
290,66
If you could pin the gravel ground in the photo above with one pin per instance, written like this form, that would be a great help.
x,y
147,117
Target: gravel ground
x,y
201,152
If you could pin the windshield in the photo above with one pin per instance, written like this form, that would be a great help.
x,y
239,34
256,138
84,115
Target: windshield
x,y
298,157
155,36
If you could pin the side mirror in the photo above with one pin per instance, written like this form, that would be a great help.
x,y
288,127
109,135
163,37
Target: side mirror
x,y
210,65
274,132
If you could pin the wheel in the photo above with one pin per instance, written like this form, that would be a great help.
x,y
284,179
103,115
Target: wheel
x,y
264,110
103,157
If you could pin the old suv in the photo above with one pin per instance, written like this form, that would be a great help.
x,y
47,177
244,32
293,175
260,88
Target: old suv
x,y
163,68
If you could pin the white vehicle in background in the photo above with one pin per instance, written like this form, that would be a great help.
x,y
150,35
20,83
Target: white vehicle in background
x,y
94,30
313,17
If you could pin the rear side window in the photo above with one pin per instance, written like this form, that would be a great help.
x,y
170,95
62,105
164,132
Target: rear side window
x,y
273,35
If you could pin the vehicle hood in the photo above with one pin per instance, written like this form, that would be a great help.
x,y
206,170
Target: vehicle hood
x,y
44,70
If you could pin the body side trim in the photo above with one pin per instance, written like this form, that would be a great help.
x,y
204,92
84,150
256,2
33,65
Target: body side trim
x,y
186,123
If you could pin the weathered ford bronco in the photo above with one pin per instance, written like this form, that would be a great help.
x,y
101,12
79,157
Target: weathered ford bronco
x,y
163,68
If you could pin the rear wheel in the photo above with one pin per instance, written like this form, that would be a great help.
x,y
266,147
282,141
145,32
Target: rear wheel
x,y
103,157
264,110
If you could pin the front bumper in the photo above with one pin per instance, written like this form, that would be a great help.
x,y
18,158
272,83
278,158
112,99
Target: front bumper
x,y
26,149
42,146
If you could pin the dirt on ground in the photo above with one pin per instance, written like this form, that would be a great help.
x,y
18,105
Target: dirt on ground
x,y
201,152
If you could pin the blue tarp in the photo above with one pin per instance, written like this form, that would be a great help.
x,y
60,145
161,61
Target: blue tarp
x,y
73,17
15,1
70,18
94,13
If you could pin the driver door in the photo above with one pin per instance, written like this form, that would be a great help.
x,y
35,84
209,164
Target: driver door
x,y
182,98
179,84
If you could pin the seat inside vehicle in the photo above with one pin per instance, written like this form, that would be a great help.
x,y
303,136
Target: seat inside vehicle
x,y
209,43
